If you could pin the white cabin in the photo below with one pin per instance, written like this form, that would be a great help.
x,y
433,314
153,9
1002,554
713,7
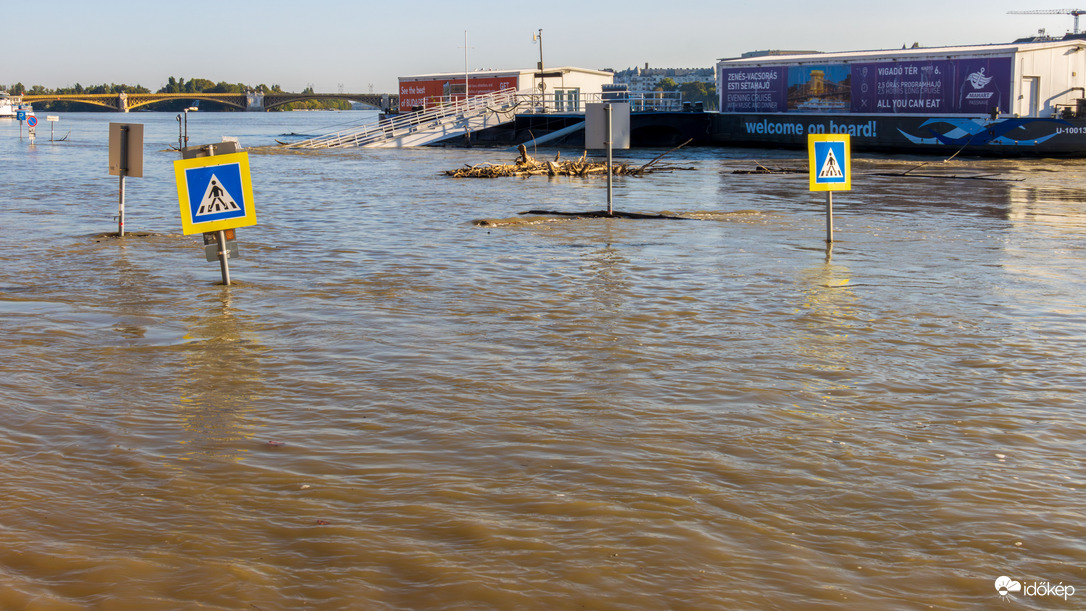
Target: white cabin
x,y
564,88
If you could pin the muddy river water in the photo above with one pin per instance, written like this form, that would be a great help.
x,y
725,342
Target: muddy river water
x,y
394,407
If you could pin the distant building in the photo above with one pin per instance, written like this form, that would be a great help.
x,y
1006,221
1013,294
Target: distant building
x,y
646,79
566,87
776,53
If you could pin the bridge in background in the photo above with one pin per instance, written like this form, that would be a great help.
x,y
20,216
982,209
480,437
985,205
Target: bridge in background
x,y
252,101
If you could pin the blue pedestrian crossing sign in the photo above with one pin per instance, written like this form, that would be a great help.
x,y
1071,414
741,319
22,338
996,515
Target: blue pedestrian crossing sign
x,y
215,193
830,160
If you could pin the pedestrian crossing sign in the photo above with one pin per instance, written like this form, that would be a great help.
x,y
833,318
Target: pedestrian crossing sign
x,y
830,160
215,193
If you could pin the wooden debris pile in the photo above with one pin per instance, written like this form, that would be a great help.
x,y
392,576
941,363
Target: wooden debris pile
x,y
526,165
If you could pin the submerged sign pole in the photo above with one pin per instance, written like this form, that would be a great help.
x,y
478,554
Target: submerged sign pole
x,y
120,190
216,195
220,237
829,158
125,159
610,171
829,217
607,126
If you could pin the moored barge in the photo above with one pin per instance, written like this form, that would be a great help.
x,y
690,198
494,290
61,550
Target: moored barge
x,y
1022,98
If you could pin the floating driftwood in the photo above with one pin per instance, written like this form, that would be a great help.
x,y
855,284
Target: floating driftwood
x,y
761,169
948,176
908,173
596,214
526,165
533,217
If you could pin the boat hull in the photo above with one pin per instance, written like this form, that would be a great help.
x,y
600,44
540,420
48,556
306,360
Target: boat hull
x,y
647,130
929,135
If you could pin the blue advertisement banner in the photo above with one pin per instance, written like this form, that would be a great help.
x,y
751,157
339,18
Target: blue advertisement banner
x,y
953,86
904,87
983,84
753,89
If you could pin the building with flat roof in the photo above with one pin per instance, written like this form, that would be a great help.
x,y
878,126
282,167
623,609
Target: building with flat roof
x,y
566,87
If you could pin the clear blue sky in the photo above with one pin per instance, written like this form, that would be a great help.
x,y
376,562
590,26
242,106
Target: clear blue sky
x,y
358,45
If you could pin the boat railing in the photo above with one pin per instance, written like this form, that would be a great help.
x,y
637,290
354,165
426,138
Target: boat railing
x,y
1070,111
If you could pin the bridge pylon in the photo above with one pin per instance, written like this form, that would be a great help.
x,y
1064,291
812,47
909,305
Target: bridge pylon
x,y
254,101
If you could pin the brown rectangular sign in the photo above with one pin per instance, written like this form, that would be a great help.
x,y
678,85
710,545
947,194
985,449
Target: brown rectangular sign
x,y
126,149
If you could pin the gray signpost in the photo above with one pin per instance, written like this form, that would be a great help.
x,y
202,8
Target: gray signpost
x,y
125,159
52,119
607,125
220,242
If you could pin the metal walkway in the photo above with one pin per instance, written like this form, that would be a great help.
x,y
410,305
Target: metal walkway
x,y
425,127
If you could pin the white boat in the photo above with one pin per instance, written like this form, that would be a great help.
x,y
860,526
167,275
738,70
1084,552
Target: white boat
x,y
10,105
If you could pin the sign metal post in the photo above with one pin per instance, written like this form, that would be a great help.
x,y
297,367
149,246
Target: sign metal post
x,y
123,169
830,161
52,119
216,197
607,126
220,236
610,159
125,159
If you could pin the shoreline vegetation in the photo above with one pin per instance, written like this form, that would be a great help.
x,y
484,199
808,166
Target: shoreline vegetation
x,y
173,85
693,92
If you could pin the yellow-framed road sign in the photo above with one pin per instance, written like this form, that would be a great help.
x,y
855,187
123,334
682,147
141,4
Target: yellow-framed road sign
x,y
215,193
830,160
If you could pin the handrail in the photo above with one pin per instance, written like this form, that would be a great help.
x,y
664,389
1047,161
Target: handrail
x,y
640,101
525,102
407,123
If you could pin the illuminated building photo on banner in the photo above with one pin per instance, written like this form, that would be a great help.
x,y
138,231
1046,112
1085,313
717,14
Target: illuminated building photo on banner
x,y
819,88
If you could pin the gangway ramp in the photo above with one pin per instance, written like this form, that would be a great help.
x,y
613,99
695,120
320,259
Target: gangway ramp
x,y
424,127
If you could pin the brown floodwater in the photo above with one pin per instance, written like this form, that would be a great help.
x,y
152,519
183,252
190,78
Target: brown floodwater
x,y
395,407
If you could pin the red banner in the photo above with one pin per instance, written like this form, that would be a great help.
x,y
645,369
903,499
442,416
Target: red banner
x,y
430,93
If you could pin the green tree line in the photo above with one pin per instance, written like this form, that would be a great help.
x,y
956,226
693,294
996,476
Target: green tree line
x,y
173,85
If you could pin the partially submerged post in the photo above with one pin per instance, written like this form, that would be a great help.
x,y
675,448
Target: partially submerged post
x,y
220,238
52,119
610,160
607,125
830,159
216,197
125,159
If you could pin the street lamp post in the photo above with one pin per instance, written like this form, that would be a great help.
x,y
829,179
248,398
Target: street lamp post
x,y
542,85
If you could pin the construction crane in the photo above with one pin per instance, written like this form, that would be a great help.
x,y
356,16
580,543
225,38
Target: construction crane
x,y
1075,12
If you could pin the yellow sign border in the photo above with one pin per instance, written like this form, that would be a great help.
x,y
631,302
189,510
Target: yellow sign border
x,y
846,164
187,226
